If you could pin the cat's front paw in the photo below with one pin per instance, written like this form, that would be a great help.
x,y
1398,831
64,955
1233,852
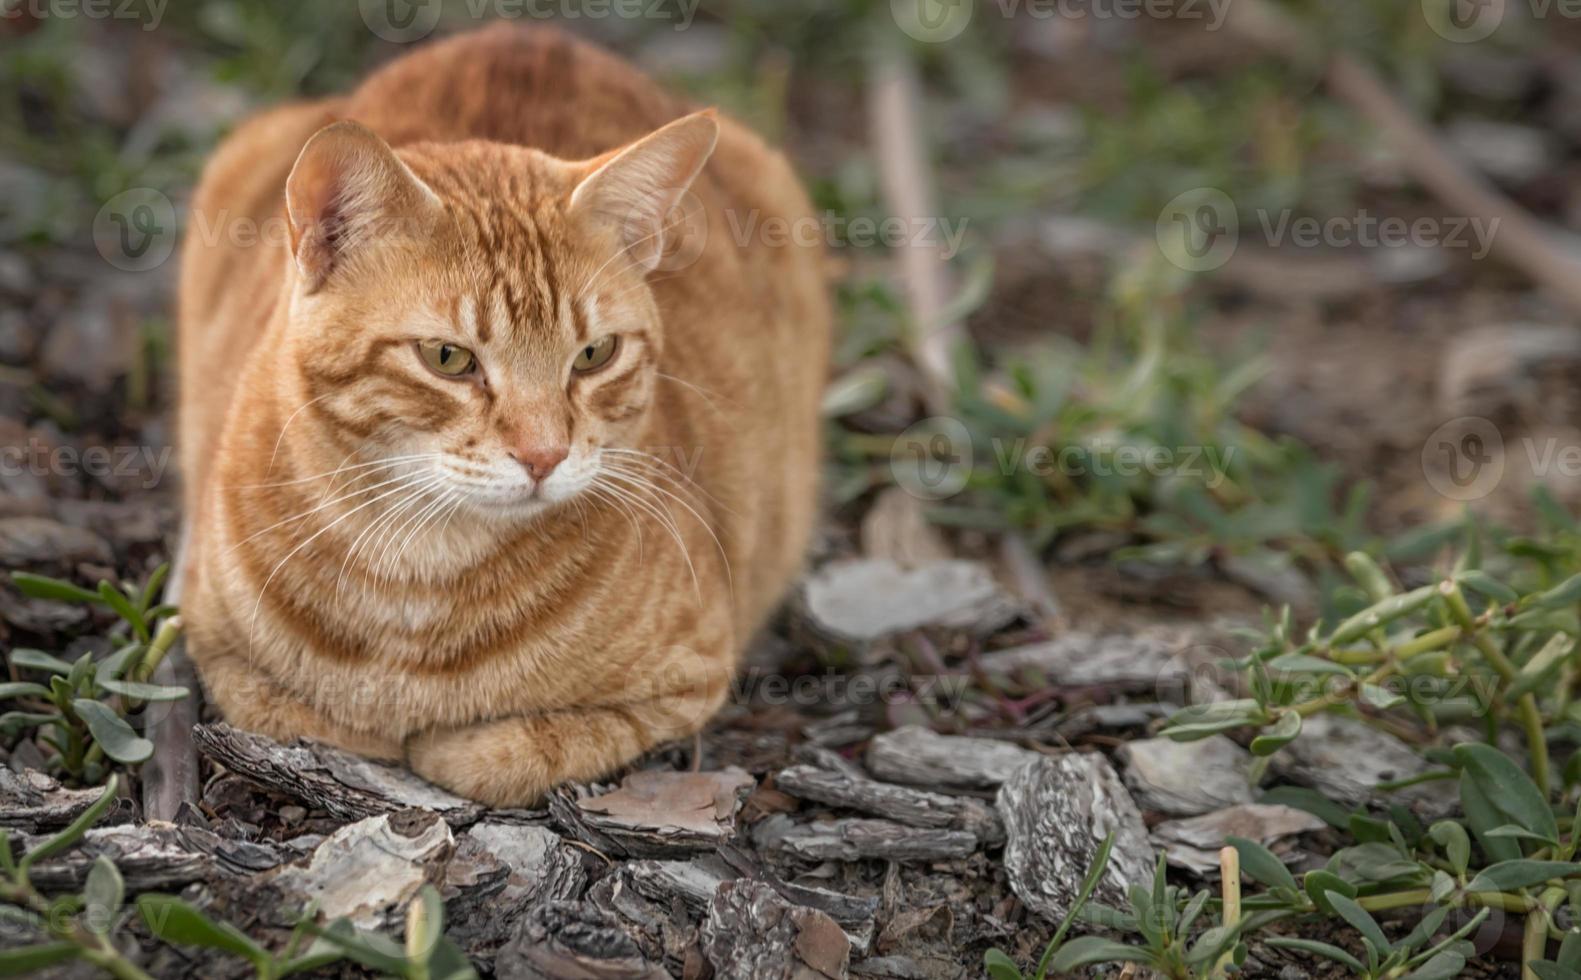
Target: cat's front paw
x,y
487,763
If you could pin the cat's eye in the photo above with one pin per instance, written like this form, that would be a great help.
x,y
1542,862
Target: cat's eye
x,y
594,355
446,359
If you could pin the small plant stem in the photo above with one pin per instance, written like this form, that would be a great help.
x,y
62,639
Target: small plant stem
x,y
1531,717
1534,941
1230,885
1427,642
1421,896
1312,707
162,642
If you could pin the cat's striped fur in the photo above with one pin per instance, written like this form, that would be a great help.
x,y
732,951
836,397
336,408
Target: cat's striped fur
x,y
367,566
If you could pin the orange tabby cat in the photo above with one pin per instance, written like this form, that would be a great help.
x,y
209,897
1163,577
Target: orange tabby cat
x,y
487,471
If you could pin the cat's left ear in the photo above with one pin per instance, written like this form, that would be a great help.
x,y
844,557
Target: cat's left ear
x,y
634,191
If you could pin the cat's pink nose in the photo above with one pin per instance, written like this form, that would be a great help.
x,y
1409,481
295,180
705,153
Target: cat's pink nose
x,y
540,460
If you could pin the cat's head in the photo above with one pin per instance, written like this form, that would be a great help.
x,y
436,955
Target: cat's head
x,y
476,317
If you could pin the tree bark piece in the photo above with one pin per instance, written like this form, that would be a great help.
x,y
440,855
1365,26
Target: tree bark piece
x,y
656,813
751,933
347,786
369,870
31,801
573,941
149,856
920,757
912,807
1057,812
1184,779
854,839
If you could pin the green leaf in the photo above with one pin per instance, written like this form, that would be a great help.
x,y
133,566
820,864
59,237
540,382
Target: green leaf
x,y
1546,970
112,667
1380,697
1091,950
1203,720
1095,873
102,895
144,692
44,587
1481,582
1369,576
1300,663
1445,966
1570,950
1360,920
1316,948
1320,885
23,689
151,590
1311,801
1507,788
1483,817
999,966
449,963
38,660
1513,832
176,922
1262,865
1537,671
1283,732
1510,875
112,597
1456,844
74,830
23,960
112,732
367,948
1381,614
1566,593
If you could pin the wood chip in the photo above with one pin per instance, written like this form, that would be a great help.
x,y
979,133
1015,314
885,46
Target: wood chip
x,y
656,813
369,870
562,940
323,777
1194,844
854,839
156,856
865,599
913,807
920,757
751,933
1184,779
31,801
1057,811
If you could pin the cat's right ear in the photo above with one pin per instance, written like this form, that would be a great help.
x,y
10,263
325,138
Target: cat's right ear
x,y
348,193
